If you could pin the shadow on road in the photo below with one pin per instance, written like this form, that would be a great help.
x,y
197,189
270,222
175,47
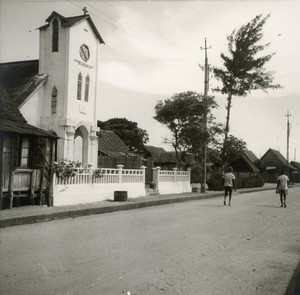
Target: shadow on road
x,y
270,206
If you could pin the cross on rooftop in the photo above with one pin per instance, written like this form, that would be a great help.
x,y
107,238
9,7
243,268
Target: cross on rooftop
x,y
85,11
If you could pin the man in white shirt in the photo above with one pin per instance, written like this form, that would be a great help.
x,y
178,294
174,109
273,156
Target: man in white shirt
x,y
228,184
282,188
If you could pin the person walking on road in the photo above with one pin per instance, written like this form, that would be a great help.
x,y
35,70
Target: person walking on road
x,y
229,184
282,188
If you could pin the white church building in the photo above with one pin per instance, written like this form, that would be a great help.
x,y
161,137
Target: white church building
x,y
63,96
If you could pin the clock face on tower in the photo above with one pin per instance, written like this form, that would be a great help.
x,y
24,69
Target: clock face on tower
x,y
84,52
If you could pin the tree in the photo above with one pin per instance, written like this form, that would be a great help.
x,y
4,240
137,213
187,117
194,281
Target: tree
x,y
232,149
133,136
244,70
183,114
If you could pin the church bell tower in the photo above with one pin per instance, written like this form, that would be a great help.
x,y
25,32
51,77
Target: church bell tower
x,y
69,56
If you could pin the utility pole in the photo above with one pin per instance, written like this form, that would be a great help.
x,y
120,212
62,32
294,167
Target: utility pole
x,y
288,141
206,85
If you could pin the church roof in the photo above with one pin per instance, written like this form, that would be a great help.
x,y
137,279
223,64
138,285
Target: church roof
x,y
11,120
70,21
20,79
8,110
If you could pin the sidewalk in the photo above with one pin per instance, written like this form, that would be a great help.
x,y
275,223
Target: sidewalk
x,y
35,214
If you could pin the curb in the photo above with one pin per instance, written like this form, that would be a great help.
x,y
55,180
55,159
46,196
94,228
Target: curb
x,y
44,217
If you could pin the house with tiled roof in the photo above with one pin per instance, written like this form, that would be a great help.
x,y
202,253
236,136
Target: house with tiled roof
x,y
58,92
112,151
271,163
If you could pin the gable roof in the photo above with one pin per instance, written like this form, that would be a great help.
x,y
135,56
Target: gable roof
x,y
8,110
250,163
70,21
251,156
111,144
281,159
20,79
11,120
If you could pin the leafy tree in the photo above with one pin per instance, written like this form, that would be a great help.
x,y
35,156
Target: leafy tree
x,y
133,136
244,70
232,149
183,114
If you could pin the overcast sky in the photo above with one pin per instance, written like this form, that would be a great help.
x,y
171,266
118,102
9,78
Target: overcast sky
x,y
152,50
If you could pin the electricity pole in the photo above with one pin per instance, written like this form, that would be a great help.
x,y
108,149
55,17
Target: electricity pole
x,y
288,141
206,85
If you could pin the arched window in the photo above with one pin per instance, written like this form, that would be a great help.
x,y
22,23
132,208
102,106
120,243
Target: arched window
x,y
55,36
87,86
54,101
79,86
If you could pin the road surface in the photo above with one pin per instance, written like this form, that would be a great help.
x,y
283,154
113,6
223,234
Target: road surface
x,y
197,247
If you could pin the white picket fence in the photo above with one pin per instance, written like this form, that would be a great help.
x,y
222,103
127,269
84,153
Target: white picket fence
x,y
86,187
108,175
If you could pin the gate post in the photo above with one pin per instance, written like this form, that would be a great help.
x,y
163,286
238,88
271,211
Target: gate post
x,y
175,174
120,167
156,172
144,173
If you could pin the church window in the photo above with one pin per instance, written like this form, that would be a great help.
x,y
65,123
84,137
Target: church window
x,y
87,86
54,101
55,36
79,86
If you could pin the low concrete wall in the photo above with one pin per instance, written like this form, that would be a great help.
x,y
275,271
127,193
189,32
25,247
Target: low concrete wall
x,y
174,187
89,193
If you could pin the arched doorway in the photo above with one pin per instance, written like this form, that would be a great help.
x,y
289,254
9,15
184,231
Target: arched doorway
x,y
81,146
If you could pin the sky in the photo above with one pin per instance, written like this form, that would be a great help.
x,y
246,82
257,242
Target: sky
x,y
153,50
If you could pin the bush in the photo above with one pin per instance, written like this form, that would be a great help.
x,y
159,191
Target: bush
x,y
215,183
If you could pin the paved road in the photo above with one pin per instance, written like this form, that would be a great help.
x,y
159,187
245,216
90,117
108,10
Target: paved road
x,y
198,247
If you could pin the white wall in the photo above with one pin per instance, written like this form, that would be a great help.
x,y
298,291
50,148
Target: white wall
x,y
174,187
89,193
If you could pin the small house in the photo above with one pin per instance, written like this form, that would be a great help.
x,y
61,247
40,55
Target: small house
x,y
245,164
26,158
271,163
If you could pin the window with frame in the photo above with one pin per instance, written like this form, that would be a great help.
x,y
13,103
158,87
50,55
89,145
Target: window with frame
x,y
79,86
54,101
24,152
87,86
55,30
